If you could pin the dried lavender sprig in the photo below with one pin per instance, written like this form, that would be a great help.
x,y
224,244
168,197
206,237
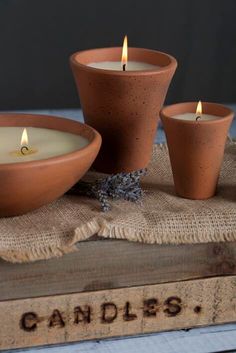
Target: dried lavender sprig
x,y
124,186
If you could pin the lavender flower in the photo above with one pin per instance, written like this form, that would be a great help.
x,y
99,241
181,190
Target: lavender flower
x,y
124,186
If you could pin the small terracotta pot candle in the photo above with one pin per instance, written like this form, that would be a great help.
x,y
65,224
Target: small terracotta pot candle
x,y
196,145
123,105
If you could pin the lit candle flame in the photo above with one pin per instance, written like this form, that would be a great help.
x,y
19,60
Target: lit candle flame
x,y
124,57
199,108
24,138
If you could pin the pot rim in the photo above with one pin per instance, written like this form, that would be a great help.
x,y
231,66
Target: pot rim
x,y
228,113
94,143
159,70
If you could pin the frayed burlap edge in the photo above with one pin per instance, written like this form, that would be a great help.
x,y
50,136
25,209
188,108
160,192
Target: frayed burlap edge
x,y
47,252
34,254
105,230
114,232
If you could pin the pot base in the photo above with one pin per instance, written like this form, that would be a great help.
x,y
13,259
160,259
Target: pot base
x,y
198,197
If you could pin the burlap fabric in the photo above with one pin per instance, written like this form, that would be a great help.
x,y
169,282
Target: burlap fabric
x,y
161,217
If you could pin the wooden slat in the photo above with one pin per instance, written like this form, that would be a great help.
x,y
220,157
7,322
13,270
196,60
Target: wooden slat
x,y
112,264
116,312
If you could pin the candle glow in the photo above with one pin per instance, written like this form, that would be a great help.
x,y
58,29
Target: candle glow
x,y
24,150
124,57
24,138
199,108
197,116
199,111
122,64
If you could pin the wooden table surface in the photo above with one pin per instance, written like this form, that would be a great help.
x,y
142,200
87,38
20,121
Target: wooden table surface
x,y
221,338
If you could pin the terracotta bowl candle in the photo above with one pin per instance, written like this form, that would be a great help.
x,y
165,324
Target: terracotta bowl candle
x,y
41,157
122,101
196,142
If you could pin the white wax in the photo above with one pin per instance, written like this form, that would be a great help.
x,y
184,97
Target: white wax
x,y
130,66
192,117
48,143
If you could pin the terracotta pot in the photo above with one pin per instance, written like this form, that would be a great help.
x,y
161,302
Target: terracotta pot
x,y
123,106
196,148
28,185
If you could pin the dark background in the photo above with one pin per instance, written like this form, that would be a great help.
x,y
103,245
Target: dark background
x,y
38,36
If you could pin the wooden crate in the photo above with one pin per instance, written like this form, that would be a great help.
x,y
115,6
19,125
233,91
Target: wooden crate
x,y
115,288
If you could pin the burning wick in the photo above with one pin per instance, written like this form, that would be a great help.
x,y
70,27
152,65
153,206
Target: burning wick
x,y
24,148
24,142
198,111
124,57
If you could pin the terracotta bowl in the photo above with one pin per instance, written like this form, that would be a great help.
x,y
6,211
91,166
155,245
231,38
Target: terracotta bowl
x,y
196,148
123,106
26,186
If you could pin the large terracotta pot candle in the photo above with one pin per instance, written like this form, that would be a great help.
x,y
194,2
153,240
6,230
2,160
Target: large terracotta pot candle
x,y
196,142
39,166
123,105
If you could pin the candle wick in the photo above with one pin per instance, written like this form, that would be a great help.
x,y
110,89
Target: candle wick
x,y
24,148
198,117
124,67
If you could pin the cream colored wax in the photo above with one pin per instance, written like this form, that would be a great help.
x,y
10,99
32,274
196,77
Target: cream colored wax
x,y
192,117
130,66
46,143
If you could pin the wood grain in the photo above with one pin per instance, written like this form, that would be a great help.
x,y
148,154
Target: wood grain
x,y
115,288
108,264
117,312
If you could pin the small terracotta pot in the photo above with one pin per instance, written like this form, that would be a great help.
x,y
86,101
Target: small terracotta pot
x,y
196,148
28,185
123,106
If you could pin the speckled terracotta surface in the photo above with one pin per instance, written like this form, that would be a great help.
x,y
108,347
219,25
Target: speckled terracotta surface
x,y
196,148
28,185
123,106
